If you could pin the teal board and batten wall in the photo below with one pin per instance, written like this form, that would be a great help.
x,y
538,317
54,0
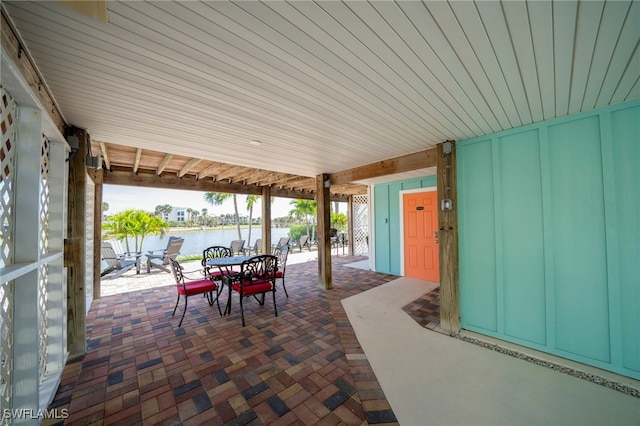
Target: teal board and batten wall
x,y
387,221
549,234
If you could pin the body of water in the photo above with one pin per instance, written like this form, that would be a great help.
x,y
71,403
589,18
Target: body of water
x,y
196,241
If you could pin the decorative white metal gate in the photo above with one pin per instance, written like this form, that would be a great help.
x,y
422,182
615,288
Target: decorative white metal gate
x,y
360,208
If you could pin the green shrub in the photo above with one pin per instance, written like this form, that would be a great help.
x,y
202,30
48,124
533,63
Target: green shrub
x,y
296,231
339,221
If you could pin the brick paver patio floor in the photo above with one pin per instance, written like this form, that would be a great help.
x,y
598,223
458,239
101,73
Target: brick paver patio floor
x,y
303,367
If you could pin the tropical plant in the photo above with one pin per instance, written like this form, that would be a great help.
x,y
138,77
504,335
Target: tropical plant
x,y
296,231
304,210
136,224
203,215
339,221
217,198
162,210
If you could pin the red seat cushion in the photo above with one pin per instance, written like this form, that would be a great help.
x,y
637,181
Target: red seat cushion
x,y
255,287
279,274
196,287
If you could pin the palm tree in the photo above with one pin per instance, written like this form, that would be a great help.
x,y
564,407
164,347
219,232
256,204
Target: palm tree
x,y
163,209
302,210
251,200
217,198
135,224
204,213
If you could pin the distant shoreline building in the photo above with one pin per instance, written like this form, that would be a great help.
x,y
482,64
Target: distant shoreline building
x,y
178,214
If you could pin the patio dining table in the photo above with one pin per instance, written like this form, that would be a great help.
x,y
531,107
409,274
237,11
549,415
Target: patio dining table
x,y
227,263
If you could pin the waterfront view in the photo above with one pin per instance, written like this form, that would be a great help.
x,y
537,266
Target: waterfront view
x,y
195,241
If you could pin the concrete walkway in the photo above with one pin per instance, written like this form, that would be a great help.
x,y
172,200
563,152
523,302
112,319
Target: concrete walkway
x,y
433,379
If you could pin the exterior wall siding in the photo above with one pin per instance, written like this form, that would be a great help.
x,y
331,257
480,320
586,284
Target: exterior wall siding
x,y
387,221
550,236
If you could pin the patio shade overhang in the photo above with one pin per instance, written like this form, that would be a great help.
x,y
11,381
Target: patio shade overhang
x,y
134,166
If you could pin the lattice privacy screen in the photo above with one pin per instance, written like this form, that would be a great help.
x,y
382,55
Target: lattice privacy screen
x,y
43,276
8,125
361,225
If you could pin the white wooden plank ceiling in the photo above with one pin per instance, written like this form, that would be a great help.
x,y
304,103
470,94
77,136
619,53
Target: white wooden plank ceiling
x,y
327,86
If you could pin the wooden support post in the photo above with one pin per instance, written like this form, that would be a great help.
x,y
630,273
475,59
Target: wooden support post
x,y
350,225
448,237
75,249
97,176
323,202
266,219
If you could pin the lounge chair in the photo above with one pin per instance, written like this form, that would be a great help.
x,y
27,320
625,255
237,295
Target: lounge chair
x,y
116,262
284,241
302,242
237,247
160,258
256,249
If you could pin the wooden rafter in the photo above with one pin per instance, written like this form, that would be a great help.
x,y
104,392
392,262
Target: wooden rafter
x,y
229,172
187,167
125,160
257,176
105,155
163,164
242,176
136,162
272,178
122,176
287,180
209,170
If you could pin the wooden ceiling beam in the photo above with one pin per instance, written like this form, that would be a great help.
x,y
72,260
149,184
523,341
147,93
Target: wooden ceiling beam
x,y
163,164
242,177
273,178
288,180
257,176
209,170
189,182
136,162
404,163
187,167
229,173
105,155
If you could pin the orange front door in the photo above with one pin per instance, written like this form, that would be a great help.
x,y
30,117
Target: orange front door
x,y
420,240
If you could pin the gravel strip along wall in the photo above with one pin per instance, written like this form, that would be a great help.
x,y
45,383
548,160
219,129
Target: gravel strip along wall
x,y
557,367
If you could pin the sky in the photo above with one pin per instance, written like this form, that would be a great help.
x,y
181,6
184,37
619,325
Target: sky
x,y
121,198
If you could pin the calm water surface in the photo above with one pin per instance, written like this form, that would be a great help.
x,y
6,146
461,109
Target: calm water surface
x,y
196,241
